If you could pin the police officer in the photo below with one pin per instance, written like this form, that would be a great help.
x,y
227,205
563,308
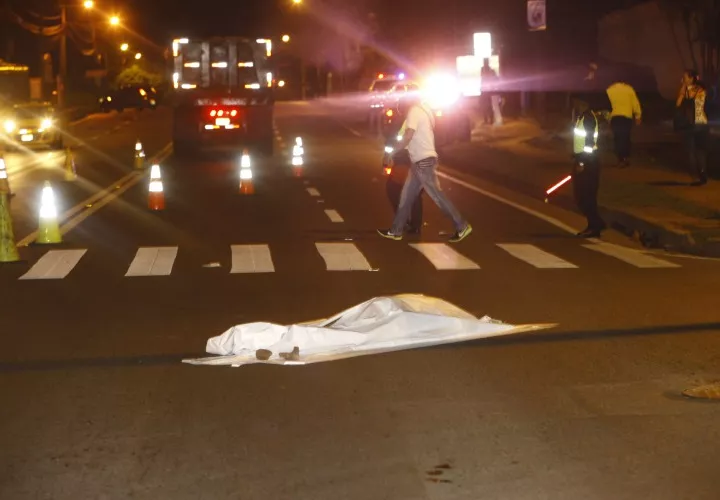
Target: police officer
x,y
586,169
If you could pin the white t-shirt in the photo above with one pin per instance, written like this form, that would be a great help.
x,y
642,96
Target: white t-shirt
x,y
422,121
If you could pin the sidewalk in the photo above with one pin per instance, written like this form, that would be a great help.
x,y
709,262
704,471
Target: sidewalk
x,y
653,200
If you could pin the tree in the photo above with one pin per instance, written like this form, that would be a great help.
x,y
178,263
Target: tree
x,y
137,76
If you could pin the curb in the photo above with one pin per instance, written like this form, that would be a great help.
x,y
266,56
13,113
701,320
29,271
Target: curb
x,y
652,234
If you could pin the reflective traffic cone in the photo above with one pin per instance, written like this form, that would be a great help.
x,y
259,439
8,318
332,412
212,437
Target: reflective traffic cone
x,y
49,228
8,249
246,176
4,181
156,195
139,155
70,172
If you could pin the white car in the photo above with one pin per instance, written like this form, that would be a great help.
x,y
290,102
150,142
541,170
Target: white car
x,y
28,125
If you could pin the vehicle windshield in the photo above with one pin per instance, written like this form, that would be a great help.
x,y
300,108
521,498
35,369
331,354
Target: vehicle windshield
x,y
32,112
382,85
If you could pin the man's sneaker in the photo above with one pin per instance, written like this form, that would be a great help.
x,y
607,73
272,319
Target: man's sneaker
x,y
385,233
461,235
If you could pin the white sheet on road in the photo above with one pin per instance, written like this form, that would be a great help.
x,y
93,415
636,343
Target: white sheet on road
x,y
379,325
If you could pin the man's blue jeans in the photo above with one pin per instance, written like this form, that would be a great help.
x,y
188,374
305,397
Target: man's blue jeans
x,y
423,175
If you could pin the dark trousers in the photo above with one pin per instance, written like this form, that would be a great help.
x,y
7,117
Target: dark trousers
x,y
394,190
586,182
622,128
696,145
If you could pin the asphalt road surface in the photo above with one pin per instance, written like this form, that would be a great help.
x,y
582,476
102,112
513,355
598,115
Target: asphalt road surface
x,y
96,404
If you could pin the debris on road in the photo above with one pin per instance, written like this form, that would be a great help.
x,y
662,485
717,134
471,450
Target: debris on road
x,y
382,324
705,391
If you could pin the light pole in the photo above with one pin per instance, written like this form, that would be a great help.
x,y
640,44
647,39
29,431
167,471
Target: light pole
x,y
63,78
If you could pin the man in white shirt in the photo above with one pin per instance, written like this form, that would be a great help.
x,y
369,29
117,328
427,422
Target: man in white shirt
x,y
625,109
419,139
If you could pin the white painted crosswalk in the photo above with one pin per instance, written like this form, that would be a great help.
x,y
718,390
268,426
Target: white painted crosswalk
x,y
351,256
535,256
153,262
251,259
54,265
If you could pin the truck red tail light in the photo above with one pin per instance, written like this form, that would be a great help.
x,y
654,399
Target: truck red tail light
x,y
223,112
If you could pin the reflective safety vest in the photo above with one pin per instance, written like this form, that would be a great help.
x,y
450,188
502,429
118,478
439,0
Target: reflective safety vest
x,y
580,139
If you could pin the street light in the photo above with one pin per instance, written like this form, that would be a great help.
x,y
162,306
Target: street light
x,y
124,47
115,21
138,56
89,4
297,1
286,38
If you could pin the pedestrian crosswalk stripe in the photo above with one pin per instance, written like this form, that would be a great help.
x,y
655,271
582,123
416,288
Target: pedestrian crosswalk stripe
x,y
443,257
535,256
630,256
313,192
334,216
153,261
54,265
342,257
251,259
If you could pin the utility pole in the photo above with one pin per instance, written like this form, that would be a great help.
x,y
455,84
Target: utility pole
x,y
62,80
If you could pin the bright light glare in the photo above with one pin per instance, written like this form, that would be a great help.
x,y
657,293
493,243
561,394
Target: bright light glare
x,y
115,20
124,47
245,174
245,161
441,90
297,161
89,4
389,149
281,83
47,203
138,56
286,38
9,126
46,124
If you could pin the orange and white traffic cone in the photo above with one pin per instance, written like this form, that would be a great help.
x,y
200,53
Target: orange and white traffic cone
x,y
246,175
4,180
70,171
156,194
139,155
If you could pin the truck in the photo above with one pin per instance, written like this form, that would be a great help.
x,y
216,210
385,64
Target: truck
x,y
223,94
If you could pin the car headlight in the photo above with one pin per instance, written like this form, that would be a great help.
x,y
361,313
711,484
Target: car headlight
x,y
46,124
9,126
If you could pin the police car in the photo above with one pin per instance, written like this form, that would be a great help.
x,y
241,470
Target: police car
x,y
441,94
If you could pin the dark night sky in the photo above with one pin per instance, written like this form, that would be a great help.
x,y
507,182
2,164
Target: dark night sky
x,y
404,24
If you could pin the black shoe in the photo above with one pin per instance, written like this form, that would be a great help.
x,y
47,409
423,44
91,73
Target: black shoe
x,y
385,233
461,235
412,230
589,233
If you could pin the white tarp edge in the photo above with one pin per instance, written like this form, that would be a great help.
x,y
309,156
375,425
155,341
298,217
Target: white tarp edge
x,y
379,325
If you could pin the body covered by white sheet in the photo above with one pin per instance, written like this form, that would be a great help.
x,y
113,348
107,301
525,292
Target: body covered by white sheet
x,y
379,325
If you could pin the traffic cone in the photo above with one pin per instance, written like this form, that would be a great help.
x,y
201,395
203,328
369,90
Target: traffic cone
x,y
139,155
246,176
8,250
70,172
49,228
297,157
4,181
156,195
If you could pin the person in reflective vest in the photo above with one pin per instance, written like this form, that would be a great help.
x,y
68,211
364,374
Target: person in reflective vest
x,y
586,170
